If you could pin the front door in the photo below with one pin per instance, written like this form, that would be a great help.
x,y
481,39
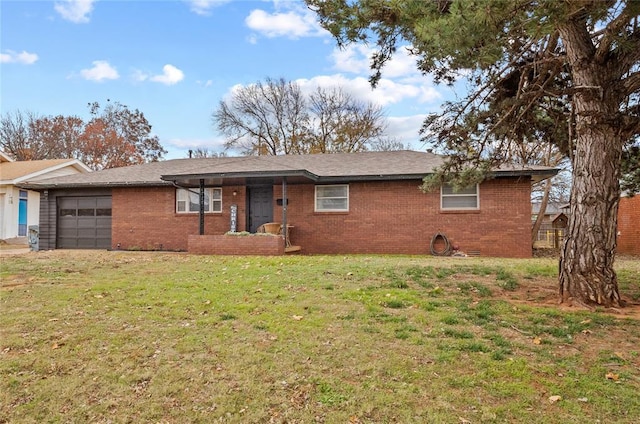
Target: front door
x,y
22,213
260,206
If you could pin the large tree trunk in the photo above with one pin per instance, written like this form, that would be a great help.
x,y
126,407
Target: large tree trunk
x,y
587,276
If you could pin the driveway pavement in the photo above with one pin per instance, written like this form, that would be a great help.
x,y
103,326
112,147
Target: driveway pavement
x,y
14,251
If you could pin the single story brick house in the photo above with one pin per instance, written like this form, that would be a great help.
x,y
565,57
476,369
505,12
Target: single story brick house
x,y
366,202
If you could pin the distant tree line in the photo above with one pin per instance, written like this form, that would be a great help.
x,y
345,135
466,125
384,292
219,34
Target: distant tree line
x,y
113,136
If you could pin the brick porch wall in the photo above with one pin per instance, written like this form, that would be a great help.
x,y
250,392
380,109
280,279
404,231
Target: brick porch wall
x,y
236,245
384,217
628,225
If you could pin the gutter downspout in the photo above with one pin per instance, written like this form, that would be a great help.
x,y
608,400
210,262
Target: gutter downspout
x,y
201,207
284,211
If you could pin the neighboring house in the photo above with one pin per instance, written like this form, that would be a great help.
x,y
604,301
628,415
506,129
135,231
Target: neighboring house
x,y
554,222
20,207
628,241
552,210
334,203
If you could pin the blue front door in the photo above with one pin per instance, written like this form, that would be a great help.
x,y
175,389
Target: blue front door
x,y
22,214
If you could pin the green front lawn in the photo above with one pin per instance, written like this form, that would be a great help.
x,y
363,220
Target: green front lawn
x,y
172,338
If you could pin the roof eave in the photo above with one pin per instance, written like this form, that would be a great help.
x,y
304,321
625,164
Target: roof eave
x,y
547,173
244,174
536,175
118,184
379,177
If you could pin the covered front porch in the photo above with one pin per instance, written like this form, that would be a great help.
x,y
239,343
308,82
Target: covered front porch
x,y
259,223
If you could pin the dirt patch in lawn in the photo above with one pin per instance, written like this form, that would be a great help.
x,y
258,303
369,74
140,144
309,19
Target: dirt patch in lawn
x,y
544,292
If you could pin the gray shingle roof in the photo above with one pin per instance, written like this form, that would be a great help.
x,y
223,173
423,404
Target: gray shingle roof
x,y
318,167
336,165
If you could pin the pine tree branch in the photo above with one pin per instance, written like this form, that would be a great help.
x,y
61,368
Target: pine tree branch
x,y
628,53
612,33
631,83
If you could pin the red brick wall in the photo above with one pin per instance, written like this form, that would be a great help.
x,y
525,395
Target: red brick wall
x,y
629,225
395,217
146,218
383,217
264,245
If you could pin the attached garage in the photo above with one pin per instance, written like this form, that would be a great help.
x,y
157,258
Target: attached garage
x,y
75,218
84,222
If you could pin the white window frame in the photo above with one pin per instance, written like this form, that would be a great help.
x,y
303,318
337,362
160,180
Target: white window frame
x,y
215,203
316,198
453,194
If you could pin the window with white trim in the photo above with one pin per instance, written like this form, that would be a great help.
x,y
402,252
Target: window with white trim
x,y
188,201
464,198
332,198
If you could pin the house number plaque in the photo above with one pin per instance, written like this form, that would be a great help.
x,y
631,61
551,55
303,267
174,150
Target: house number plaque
x,y
234,218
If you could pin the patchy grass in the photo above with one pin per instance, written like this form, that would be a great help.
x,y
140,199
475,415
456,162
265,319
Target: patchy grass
x,y
173,338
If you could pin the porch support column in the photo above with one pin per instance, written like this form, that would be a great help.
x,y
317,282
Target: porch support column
x,y
201,207
284,210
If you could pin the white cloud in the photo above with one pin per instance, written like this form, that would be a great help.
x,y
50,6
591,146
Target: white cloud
x,y
101,71
23,58
170,75
388,92
402,64
76,11
205,84
429,94
227,96
400,80
184,144
139,76
296,23
203,7
356,58
406,129
353,59
252,39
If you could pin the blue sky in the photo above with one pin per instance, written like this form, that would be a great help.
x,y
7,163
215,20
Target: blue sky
x,y
176,60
